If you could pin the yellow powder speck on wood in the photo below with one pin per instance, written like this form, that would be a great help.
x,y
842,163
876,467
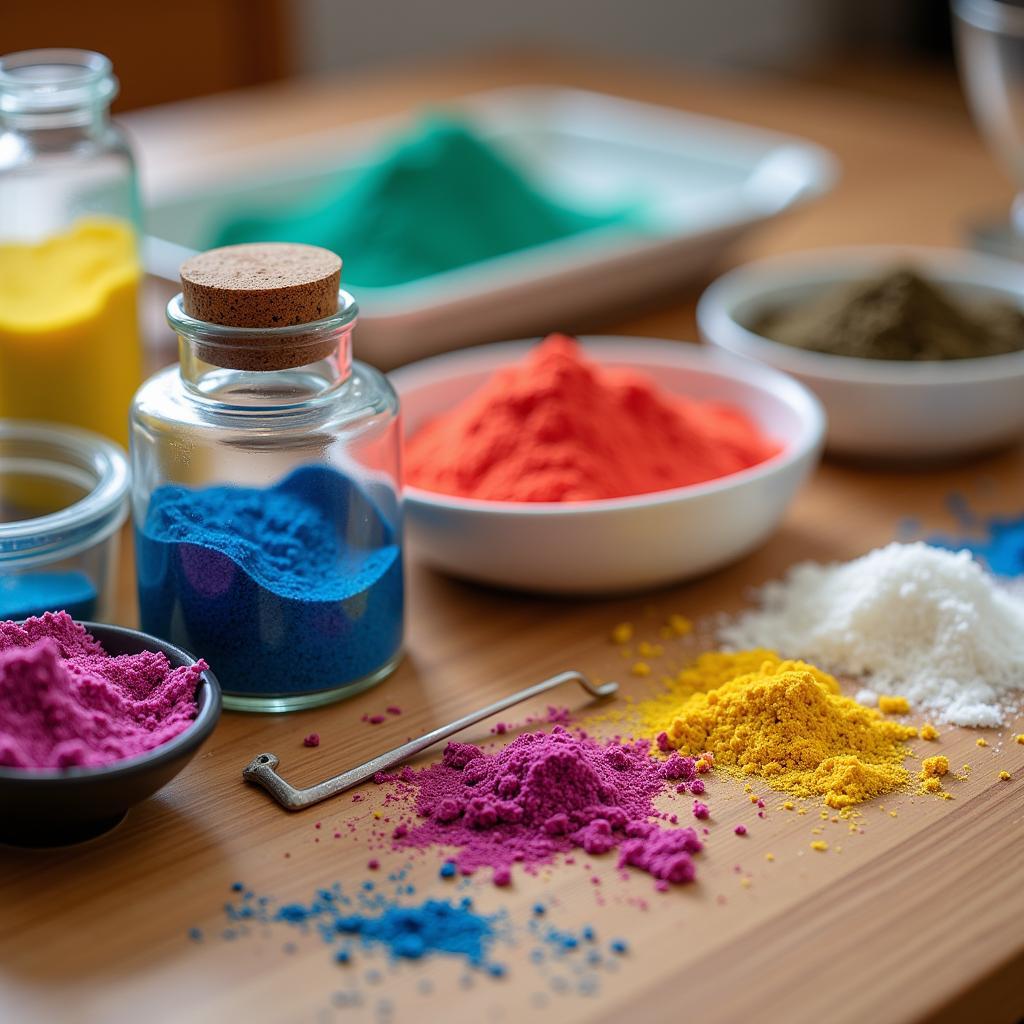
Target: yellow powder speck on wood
x,y
894,705
680,625
622,633
641,668
785,721
928,732
981,741
820,845
1020,737
931,766
1005,776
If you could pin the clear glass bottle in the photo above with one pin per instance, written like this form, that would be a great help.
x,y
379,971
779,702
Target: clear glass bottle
x,y
267,510
69,228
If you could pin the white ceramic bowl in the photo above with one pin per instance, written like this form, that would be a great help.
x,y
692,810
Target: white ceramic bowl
x,y
880,408
621,544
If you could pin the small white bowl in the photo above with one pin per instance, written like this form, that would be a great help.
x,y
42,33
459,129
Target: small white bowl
x,y
620,544
882,408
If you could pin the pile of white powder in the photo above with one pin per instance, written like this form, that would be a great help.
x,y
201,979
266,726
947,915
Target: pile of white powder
x,y
928,624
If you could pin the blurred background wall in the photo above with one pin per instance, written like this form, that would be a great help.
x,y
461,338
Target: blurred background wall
x,y
182,48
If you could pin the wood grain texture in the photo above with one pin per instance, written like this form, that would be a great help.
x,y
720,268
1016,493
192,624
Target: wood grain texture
x,y
918,918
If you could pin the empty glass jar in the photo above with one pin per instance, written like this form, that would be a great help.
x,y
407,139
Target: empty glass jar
x,y
63,499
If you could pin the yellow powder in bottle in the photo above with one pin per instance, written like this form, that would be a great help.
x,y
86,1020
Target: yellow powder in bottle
x,y
784,721
69,336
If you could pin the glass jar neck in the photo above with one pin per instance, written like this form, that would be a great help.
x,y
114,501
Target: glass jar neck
x,y
55,89
264,367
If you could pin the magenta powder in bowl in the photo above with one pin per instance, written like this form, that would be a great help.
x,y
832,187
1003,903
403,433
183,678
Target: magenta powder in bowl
x,y
65,702
93,720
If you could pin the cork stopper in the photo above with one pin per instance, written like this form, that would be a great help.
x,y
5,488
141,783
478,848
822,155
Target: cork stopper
x,y
267,284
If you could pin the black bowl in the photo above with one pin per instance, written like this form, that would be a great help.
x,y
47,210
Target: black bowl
x,y
56,808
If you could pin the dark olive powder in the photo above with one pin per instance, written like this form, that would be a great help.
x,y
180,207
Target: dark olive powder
x,y
895,315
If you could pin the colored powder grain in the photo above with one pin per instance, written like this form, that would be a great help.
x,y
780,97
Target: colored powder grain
x,y
981,742
928,732
996,541
740,830
66,703
1005,776
820,845
641,668
934,766
436,198
545,794
893,705
622,633
297,587
680,625
784,721
1019,738
928,622
560,427
26,595
312,740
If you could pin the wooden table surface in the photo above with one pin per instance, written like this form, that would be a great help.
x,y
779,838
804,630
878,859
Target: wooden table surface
x,y
921,917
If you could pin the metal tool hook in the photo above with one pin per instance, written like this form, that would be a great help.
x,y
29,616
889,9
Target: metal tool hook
x,y
262,769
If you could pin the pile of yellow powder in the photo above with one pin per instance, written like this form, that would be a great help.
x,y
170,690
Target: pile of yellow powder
x,y
785,721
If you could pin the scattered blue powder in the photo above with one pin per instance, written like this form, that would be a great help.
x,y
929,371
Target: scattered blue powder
x,y
998,542
25,594
195,934
290,589
371,920
447,869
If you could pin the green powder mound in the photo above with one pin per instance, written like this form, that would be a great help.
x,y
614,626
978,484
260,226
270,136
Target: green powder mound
x,y
437,199
896,315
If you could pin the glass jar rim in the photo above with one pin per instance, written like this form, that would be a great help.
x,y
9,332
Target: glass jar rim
x,y
53,80
991,15
87,521
260,337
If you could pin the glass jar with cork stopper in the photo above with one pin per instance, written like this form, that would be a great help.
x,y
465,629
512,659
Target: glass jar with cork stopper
x,y
266,484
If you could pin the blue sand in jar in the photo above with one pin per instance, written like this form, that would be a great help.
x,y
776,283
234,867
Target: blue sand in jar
x,y
284,590
33,593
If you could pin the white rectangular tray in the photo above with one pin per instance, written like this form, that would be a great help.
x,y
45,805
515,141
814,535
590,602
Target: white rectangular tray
x,y
703,182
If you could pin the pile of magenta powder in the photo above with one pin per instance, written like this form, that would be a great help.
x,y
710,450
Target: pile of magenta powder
x,y
546,794
66,703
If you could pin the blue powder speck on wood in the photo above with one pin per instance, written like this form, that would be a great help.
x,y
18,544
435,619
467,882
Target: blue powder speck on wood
x,y
25,594
997,541
289,589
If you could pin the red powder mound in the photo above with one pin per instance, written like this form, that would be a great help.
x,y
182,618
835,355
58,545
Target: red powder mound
x,y
558,427
65,702
549,793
